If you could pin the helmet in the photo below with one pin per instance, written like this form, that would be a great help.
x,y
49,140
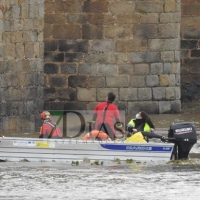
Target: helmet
x,y
44,114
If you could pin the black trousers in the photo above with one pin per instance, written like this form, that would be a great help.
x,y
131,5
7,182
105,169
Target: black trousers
x,y
105,127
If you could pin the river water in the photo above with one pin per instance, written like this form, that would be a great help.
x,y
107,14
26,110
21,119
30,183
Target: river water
x,y
139,181
110,181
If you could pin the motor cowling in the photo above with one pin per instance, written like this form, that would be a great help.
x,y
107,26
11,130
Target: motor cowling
x,y
184,136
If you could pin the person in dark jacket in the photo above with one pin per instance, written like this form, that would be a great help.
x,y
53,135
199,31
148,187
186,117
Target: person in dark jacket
x,y
49,129
141,122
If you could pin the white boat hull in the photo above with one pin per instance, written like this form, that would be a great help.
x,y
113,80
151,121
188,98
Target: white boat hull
x,y
33,149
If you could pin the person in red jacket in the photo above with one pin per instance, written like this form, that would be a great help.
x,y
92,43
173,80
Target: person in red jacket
x,y
49,129
106,117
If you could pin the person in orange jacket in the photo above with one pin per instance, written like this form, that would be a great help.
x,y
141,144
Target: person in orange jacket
x,y
49,129
106,117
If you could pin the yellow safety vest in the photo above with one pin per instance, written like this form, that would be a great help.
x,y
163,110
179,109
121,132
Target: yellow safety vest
x,y
147,128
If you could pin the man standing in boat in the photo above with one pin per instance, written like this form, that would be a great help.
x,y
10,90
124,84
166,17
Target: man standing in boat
x,y
49,129
106,117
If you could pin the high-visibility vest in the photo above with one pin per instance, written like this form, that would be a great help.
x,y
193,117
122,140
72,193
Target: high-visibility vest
x,y
147,128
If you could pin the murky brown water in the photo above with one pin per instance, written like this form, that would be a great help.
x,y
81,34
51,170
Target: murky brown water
x,y
162,123
136,181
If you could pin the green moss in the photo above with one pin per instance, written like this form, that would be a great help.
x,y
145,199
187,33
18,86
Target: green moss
x,y
117,160
86,160
75,163
129,161
24,160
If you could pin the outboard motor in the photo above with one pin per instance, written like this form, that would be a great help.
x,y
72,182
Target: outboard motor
x,y
184,136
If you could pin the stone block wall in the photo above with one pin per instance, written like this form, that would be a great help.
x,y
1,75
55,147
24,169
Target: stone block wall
x,y
21,63
129,47
190,53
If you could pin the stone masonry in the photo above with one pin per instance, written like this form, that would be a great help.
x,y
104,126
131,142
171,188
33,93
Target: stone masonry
x,y
68,54
190,51
129,47
21,63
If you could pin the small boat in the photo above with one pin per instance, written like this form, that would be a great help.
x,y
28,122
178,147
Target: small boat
x,y
183,136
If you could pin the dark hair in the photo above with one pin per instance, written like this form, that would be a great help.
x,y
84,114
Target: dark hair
x,y
147,119
111,96
144,115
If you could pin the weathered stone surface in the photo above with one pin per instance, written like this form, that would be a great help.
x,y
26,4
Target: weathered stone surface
x,y
146,31
128,94
148,57
50,45
103,92
170,17
92,32
191,10
159,93
164,80
167,56
117,81
149,106
96,82
57,81
128,19
109,69
49,94
102,46
131,45
66,31
137,81
157,68
84,94
177,79
29,50
55,57
94,58
126,69
19,50
164,44
152,81
175,106
191,33
75,49
170,93
96,18
54,18
87,69
118,32
121,7
95,7
172,80
149,18
150,7
119,57
164,107
73,46
72,57
67,68
77,81
144,94
66,94
170,6
74,106
50,68
175,68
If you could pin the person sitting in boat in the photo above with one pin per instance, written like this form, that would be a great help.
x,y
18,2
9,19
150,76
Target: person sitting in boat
x,y
141,123
106,117
49,129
